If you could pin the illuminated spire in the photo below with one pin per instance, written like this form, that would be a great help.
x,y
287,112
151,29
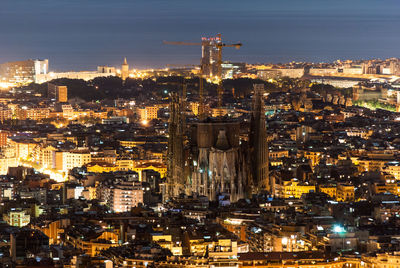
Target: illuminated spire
x,y
125,70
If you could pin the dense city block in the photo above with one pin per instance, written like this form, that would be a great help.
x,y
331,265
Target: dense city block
x,y
275,165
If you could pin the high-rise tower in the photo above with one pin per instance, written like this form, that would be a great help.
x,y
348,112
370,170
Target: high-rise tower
x,y
258,144
209,56
125,70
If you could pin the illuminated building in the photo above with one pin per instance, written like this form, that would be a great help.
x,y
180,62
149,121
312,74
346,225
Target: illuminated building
x,y
125,164
359,132
86,75
125,195
393,168
220,248
23,148
73,191
7,191
3,136
376,162
6,161
313,155
47,156
296,189
279,73
165,241
276,156
17,217
194,107
90,193
236,226
148,113
101,167
23,72
196,262
5,114
209,56
37,113
232,69
330,190
100,114
263,238
382,260
93,246
73,159
219,164
216,112
345,193
158,167
131,143
107,156
295,259
33,113
106,70
59,93
52,229
67,111
381,188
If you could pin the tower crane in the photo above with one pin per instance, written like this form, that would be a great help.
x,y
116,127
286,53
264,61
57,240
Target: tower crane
x,y
218,45
181,65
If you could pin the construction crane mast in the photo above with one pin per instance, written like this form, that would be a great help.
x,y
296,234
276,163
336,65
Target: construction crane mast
x,y
220,89
181,65
219,45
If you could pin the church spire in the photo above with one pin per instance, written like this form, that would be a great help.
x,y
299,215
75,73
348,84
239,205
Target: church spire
x,y
175,162
258,142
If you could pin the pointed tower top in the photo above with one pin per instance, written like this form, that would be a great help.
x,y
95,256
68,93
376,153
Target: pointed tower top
x,y
222,141
125,62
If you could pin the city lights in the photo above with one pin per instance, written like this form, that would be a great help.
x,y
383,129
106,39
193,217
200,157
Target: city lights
x,y
124,150
338,229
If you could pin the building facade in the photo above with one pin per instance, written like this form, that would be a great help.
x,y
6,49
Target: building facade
x,y
23,72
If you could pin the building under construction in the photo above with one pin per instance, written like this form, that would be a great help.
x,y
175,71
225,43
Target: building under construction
x,y
211,62
208,158
209,56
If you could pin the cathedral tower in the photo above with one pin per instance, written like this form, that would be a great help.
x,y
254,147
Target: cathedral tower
x,y
258,144
175,166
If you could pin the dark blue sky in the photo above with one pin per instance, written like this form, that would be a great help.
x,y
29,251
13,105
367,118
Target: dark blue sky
x,y
81,34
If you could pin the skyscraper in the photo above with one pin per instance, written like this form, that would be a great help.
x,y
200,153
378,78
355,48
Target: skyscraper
x,y
209,56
